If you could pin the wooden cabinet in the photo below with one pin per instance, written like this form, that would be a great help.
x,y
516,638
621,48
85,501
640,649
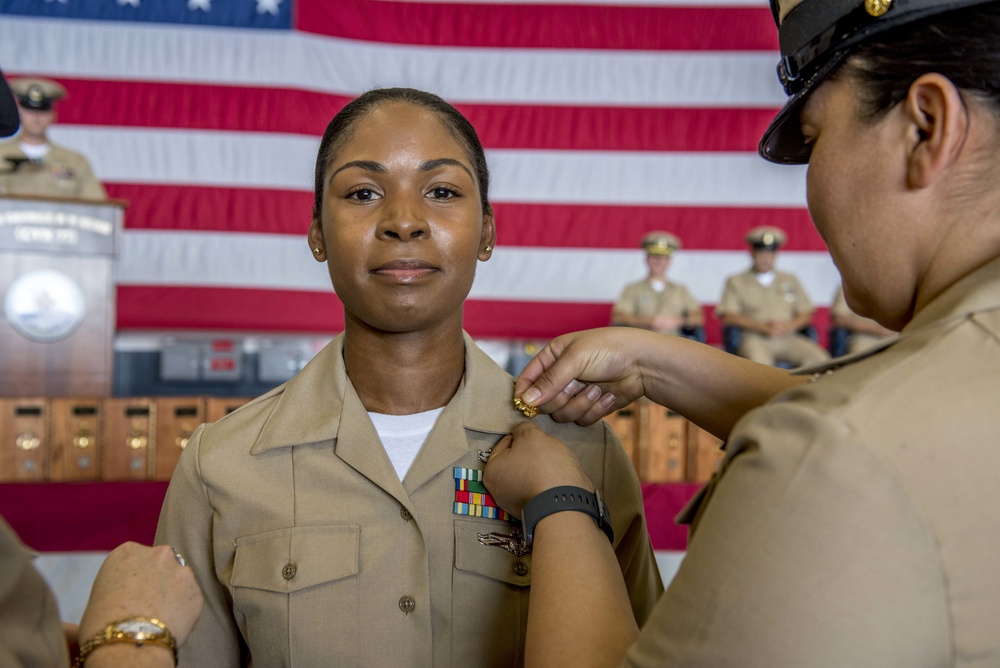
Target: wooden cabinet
x,y
77,439
24,439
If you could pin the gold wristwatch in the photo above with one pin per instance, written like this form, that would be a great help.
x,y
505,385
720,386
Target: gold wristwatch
x,y
137,630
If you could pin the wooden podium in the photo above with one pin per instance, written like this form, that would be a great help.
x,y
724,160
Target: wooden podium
x,y
57,287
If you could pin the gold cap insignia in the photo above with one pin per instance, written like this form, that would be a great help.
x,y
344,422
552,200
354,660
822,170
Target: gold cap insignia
x,y
877,8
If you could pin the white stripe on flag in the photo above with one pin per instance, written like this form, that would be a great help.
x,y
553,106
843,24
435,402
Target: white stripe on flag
x,y
265,160
124,51
274,261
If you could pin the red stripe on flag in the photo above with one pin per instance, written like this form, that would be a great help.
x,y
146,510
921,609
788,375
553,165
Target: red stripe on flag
x,y
553,127
543,26
195,308
210,209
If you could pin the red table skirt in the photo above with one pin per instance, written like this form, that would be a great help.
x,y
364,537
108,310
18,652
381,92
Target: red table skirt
x,y
98,516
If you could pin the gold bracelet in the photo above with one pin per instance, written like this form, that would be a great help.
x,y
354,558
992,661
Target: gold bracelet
x,y
137,630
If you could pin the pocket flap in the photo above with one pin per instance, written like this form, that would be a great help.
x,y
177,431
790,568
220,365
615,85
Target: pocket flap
x,y
287,560
489,561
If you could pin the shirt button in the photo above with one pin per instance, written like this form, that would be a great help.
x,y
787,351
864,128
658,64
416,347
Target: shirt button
x,y
406,603
405,514
288,572
520,568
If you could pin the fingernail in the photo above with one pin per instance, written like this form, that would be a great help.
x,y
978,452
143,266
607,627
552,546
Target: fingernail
x,y
531,396
608,400
573,387
593,393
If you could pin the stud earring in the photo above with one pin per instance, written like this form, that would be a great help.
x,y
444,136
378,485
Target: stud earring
x,y
488,249
316,250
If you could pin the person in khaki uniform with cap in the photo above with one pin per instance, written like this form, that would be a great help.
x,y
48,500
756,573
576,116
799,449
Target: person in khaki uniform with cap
x,y
655,303
340,519
861,333
32,165
769,307
855,520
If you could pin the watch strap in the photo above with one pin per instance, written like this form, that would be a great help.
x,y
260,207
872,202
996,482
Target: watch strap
x,y
115,633
563,498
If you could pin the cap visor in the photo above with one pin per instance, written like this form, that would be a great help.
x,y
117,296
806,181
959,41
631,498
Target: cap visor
x,y
783,141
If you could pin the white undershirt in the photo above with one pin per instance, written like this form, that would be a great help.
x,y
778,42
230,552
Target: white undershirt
x,y
657,284
403,436
34,151
765,278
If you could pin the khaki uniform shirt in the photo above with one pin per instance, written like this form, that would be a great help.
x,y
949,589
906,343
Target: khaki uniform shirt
x,y
783,300
61,173
856,521
311,552
31,633
641,299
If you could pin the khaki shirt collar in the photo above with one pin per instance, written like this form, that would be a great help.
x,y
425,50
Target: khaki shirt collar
x,y
974,292
310,407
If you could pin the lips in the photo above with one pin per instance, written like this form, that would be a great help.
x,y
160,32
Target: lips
x,y
405,270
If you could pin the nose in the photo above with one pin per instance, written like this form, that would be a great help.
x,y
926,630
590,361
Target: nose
x,y
404,220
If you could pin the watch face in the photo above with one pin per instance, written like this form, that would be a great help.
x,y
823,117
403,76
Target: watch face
x,y
140,627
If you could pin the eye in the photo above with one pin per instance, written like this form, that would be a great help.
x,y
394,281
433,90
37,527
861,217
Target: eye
x,y
443,192
363,194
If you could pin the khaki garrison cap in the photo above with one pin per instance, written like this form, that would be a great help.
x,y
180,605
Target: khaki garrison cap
x,y
660,243
815,38
37,94
766,238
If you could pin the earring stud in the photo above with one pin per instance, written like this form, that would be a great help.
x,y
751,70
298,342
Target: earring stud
x,y
488,249
316,250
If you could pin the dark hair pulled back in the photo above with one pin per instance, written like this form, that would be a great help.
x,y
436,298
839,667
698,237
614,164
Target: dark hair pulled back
x,y
961,45
341,127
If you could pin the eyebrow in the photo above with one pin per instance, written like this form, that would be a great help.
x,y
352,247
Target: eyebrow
x,y
379,168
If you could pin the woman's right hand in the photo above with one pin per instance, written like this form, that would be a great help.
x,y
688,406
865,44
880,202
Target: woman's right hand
x,y
583,376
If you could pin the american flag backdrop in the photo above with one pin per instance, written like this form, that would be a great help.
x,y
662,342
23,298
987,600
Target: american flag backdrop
x,y
601,120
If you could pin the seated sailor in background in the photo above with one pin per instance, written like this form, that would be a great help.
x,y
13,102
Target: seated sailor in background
x,y
655,303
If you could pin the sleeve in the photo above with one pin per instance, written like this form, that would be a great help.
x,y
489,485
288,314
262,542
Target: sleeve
x,y
802,302
90,187
625,304
31,634
623,494
807,552
186,524
730,300
691,304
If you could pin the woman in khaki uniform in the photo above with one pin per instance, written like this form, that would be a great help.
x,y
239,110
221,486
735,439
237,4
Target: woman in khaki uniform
x,y
655,303
340,520
856,518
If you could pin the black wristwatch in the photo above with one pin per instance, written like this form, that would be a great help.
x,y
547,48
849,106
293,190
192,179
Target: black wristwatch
x,y
559,499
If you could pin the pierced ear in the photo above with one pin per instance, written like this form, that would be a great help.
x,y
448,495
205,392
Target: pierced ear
x,y
939,123
316,244
488,240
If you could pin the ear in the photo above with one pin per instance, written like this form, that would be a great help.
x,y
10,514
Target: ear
x,y
488,239
315,237
939,123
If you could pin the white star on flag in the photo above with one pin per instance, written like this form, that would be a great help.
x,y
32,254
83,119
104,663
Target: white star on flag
x,y
269,6
205,5
134,3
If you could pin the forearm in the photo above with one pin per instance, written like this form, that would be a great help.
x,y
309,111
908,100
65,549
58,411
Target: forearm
x,y
577,584
711,388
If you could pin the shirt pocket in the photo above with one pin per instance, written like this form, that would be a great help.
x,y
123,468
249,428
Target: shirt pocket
x,y
489,598
298,591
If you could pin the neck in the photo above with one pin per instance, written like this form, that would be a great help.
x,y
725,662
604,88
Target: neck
x,y
34,140
402,374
